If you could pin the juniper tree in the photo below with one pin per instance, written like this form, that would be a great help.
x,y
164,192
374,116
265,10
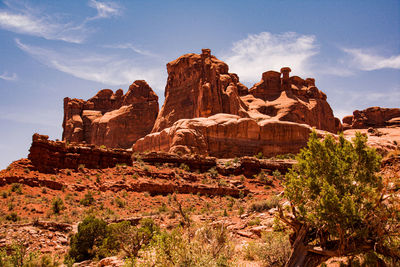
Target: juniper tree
x,y
340,206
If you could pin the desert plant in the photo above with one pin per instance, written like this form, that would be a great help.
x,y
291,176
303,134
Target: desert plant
x,y
16,187
184,167
13,216
335,191
263,205
57,205
88,199
90,235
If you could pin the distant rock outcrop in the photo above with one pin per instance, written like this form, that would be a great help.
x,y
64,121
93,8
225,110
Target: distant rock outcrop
x,y
111,119
372,117
291,99
199,86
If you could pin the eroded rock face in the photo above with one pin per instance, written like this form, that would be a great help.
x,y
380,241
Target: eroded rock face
x,y
291,99
48,156
372,117
199,86
111,119
226,135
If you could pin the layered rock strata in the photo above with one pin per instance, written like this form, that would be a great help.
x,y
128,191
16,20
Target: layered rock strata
x,y
291,99
111,119
372,117
199,86
225,135
49,156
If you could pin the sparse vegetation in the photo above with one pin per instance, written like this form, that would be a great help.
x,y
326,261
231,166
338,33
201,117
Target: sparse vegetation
x,y
57,205
264,205
88,199
184,167
17,188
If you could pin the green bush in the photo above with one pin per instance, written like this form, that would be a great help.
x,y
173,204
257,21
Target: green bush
x,y
13,216
16,187
88,199
90,235
57,205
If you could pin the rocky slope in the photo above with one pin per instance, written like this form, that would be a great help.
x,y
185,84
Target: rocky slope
x,y
111,119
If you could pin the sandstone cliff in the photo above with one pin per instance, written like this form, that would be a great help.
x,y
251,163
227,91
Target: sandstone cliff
x,y
291,99
225,135
199,86
372,117
111,119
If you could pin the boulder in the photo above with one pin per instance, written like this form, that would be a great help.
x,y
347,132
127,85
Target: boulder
x,y
111,119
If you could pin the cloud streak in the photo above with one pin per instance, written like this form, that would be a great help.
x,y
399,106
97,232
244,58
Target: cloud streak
x,y
8,77
367,61
24,19
104,9
257,53
107,69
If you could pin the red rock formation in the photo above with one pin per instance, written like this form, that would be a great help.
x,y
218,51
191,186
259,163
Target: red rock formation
x,y
199,86
225,135
372,117
291,99
111,119
48,156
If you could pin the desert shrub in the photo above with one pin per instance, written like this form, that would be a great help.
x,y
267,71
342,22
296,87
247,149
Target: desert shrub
x,y
274,250
90,235
13,216
16,187
277,175
207,246
88,199
184,167
263,178
335,190
120,203
259,155
213,172
57,205
130,239
264,205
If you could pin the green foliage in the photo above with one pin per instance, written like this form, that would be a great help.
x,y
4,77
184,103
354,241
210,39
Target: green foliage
x,y
213,172
13,216
335,183
88,199
184,167
16,187
259,155
16,256
57,205
128,238
338,194
83,244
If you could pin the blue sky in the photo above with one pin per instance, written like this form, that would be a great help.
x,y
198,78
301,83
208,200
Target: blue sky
x,y
53,49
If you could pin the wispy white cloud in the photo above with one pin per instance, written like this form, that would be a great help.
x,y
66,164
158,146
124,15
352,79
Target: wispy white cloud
x,y
24,19
267,51
8,77
133,48
364,60
104,9
107,68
